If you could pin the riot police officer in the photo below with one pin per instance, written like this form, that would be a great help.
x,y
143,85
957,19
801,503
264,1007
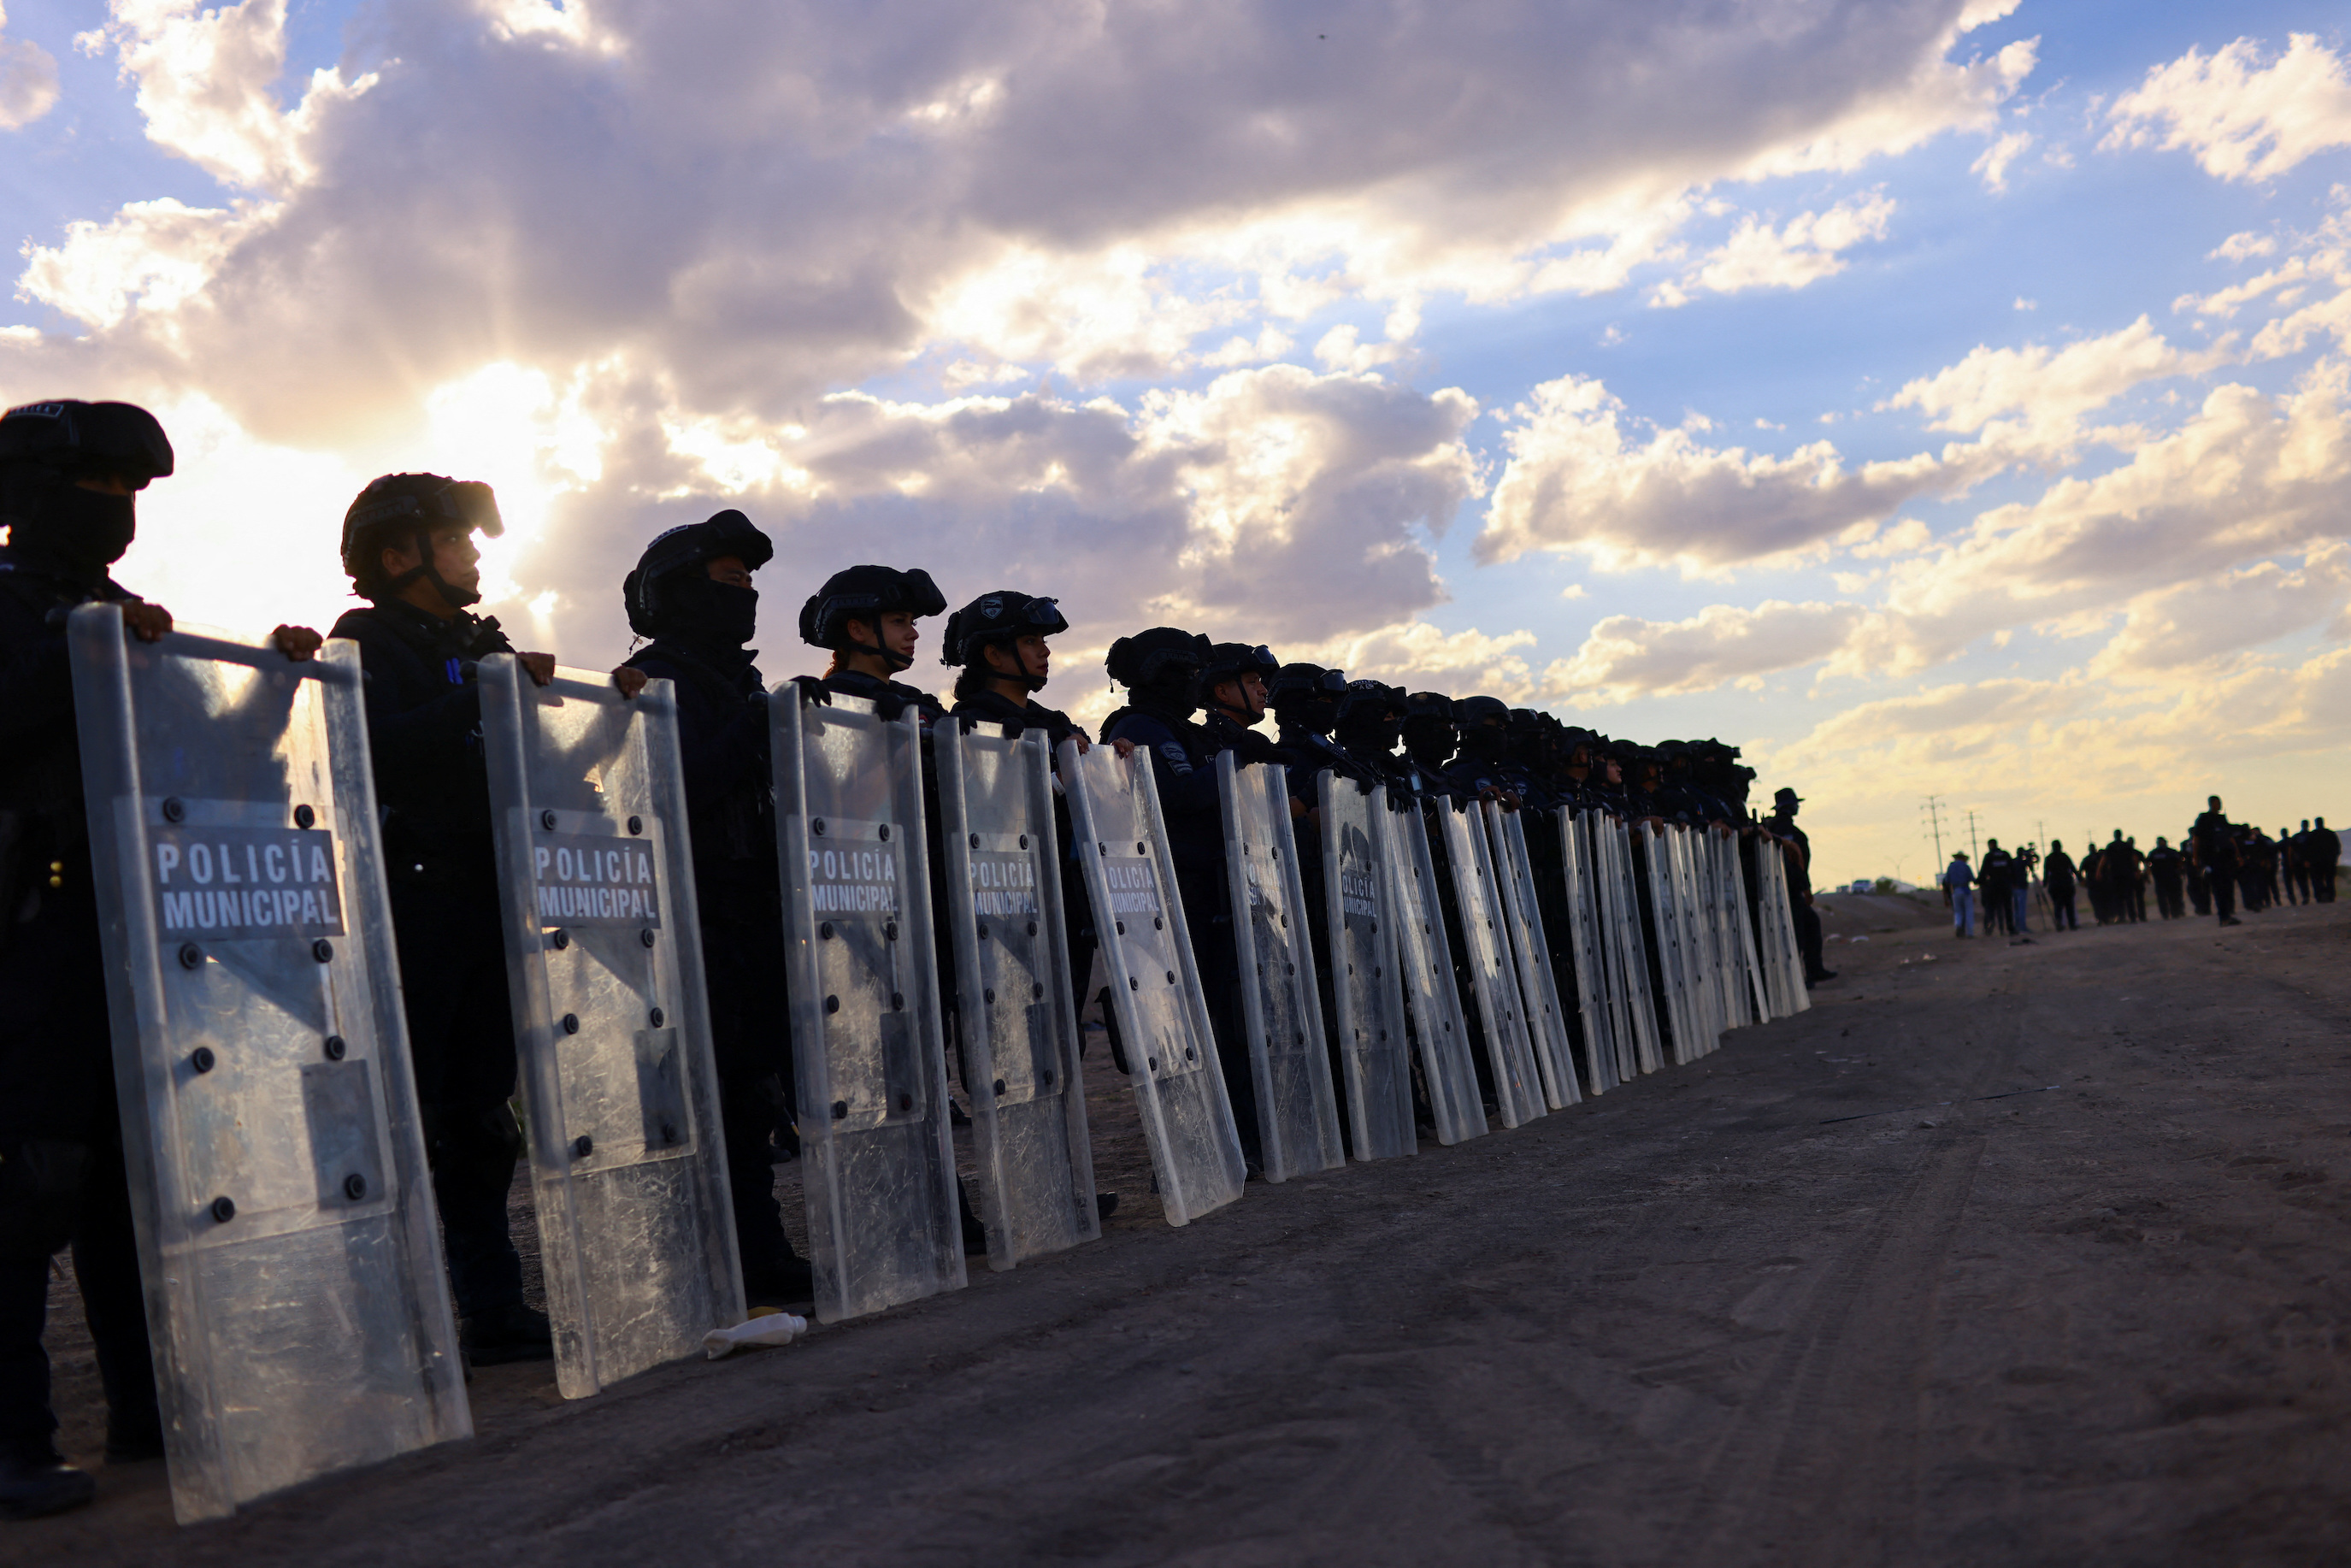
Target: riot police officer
x,y
1431,737
1482,770
692,594
1161,670
865,617
408,547
1233,682
998,641
69,476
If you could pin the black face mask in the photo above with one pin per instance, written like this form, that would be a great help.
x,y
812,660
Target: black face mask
x,y
87,530
1483,741
702,609
1377,736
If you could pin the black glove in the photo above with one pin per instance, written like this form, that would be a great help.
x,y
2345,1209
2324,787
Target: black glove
x,y
812,690
1015,727
888,704
1366,785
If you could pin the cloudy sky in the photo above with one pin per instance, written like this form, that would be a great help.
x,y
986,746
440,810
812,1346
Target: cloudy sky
x,y
1935,396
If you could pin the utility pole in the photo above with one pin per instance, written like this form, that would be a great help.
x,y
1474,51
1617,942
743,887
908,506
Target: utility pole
x,y
1974,853
1934,810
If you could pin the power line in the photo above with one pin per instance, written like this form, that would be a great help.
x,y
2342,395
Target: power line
x,y
1934,810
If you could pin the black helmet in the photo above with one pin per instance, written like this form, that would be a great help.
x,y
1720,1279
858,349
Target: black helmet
x,y
688,545
1367,698
867,593
77,439
395,505
1428,708
1302,686
1151,658
997,617
46,447
1231,661
1472,712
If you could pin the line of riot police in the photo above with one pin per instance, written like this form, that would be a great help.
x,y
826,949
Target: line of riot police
x,y
681,910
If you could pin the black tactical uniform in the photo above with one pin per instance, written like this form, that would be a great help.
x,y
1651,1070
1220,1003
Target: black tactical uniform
x,y
2164,864
62,1179
699,628
2059,876
2213,840
432,782
1161,669
1003,618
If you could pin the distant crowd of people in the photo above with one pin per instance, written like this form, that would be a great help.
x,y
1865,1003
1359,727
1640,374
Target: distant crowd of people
x,y
2218,865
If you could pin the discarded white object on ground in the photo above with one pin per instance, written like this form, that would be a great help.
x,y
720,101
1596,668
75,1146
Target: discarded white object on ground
x,y
763,1328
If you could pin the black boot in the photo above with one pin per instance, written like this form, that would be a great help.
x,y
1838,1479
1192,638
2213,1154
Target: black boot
x,y
507,1334
36,1480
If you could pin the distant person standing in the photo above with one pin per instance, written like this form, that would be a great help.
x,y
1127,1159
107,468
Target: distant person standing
x,y
2059,877
1993,878
2164,866
1960,894
1783,824
2212,842
2325,854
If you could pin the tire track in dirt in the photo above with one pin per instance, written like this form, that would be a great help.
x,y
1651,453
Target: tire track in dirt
x,y
1789,1478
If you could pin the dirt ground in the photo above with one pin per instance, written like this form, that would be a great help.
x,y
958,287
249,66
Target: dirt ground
x,y
2001,1254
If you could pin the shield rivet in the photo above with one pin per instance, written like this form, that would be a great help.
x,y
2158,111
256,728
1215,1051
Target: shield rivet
x,y
832,1004
572,1023
203,1060
547,820
840,1109
636,826
560,941
355,1186
174,812
322,950
999,1086
304,817
655,1018
582,1146
223,1209
335,1048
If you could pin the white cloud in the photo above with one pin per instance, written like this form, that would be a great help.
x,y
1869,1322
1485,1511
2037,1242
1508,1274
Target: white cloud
x,y
2049,388
28,81
1803,250
1626,657
2242,247
2244,479
151,255
2243,120
1418,655
1994,165
2178,628
1576,481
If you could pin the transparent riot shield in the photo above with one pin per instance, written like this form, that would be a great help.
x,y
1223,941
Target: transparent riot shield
x,y
1731,885
1702,972
1673,961
1522,923
1604,837
1157,1004
1595,1008
1766,930
1431,999
1298,1115
1016,1020
1629,950
876,1159
1367,983
287,1236
1779,920
1493,983
628,1163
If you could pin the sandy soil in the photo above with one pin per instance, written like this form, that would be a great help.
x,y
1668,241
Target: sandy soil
x,y
2001,1254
